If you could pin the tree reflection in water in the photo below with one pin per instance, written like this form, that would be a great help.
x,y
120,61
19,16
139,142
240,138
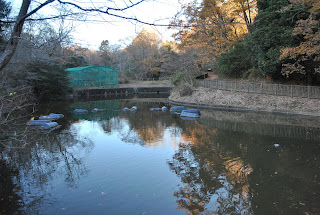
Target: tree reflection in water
x,y
150,127
213,180
10,199
222,170
27,167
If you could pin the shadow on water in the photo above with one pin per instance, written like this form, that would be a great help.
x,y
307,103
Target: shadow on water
x,y
29,164
226,170
226,162
10,198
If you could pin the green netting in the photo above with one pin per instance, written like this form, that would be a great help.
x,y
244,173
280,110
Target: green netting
x,y
93,77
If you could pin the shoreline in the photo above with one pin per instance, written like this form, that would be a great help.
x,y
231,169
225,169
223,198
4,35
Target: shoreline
x,y
242,109
246,102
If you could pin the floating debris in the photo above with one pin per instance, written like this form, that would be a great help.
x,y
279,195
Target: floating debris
x,y
276,145
52,116
175,113
178,109
134,108
95,110
190,113
38,122
80,111
49,125
56,115
164,108
155,109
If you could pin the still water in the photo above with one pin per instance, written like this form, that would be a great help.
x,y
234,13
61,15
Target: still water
x,y
152,162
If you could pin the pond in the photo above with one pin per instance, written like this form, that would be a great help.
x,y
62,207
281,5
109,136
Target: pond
x,y
153,162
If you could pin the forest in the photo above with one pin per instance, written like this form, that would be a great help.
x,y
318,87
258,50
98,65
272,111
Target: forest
x,y
235,162
237,39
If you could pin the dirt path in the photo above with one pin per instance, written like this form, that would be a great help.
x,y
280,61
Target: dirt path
x,y
212,76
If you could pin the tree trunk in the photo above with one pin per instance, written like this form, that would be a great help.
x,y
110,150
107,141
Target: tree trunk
x,y
15,35
17,30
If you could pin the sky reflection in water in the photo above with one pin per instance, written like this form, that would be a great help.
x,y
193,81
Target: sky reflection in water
x,y
152,162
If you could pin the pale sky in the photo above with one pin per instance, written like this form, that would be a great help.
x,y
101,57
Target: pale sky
x,y
114,29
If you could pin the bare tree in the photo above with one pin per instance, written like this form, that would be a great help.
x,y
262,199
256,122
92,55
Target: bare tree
x,y
144,52
75,8
17,30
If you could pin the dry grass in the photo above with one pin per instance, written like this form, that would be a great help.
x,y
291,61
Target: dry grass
x,y
266,102
133,83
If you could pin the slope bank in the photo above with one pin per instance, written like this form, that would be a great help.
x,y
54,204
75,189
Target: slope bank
x,y
239,101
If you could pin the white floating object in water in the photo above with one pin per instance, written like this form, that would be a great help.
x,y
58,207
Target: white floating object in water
x,y
134,108
38,122
56,115
155,109
49,125
164,108
51,116
95,110
276,145
190,113
45,118
178,108
80,111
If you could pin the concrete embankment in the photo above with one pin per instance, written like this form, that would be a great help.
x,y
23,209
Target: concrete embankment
x,y
242,109
120,91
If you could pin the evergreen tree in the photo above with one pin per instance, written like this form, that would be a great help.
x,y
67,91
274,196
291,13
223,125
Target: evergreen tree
x,y
260,50
272,31
237,61
49,80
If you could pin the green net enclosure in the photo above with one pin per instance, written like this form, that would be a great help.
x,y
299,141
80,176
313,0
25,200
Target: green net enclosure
x,y
93,77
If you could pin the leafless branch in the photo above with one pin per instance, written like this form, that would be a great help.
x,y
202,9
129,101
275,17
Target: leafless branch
x,y
98,10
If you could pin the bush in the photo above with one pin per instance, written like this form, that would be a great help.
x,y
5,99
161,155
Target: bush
x,y
75,61
123,81
177,78
252,74
236,61
185,90
48,79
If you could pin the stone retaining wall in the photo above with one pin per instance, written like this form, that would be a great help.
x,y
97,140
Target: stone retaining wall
x,y
120,91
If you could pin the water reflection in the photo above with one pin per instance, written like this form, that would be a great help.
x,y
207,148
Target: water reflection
x,y
10,198
31,164
214,180
155,162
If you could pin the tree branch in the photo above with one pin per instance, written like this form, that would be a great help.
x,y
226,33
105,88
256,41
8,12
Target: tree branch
x,y
17,30
97,10
35,10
